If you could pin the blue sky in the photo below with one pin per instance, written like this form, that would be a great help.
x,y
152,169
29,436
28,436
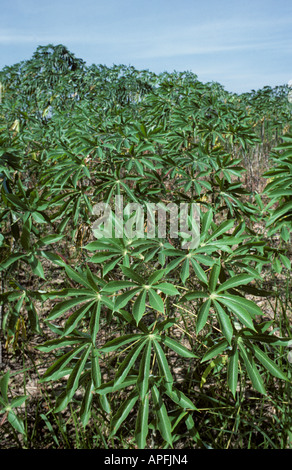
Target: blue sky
x,y
243,45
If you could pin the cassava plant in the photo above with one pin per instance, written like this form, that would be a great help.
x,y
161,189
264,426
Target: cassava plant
x,y
160,340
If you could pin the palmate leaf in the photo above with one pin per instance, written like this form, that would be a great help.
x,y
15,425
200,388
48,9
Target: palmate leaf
x,y
177,347
63,307
129,361
235,281
155,301
186,260
200,273
144,370
61,343
35,265
139,306
163,366
141,429
180,399
116,286
283,211
232,371
203,315
215,271
224,321
124,298
269,364
156,276
11,259
250,306
94,320
215,350
144,291
95,368
85,408
185,271
194,295
16,422
130,273
152,281
54,371
4,381
78,277
240,312
107,267
76,317
166,288
223,228
73,382
119,342
252,370
164,424
111,387
123,413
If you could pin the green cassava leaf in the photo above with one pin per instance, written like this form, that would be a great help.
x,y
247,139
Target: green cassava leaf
x,y
203,315
215,271
180,399
123,413
235,281
269,364
155,301
164,424
232,371
129,361
215,350
139,306
240,312
252,370
167,288
224,321
144,371
163,366
177,347
142,426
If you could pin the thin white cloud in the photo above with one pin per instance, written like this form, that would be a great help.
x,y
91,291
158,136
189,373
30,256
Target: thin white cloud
x,y
148,47
187,50
7,39
227,31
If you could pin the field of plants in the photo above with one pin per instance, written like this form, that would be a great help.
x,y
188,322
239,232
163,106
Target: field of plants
x,y
133,342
